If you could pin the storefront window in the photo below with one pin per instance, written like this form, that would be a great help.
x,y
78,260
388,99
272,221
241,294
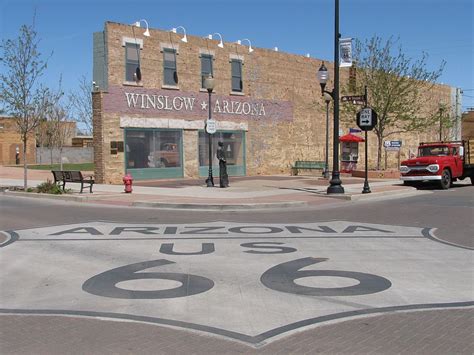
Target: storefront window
x,y
153,149
233,147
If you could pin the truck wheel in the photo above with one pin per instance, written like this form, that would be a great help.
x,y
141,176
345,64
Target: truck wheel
x,y
445,182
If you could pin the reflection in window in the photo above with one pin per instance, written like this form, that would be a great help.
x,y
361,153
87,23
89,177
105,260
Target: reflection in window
x,y
169,67
433,151
132,59
236,71
153,149
233,147
206,67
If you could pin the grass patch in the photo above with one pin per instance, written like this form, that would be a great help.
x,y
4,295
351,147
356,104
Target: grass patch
x,y
82,167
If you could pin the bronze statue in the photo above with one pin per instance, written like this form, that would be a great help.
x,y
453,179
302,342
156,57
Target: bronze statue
x,y
223,177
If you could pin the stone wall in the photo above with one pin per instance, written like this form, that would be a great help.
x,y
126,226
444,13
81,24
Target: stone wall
x,y
72,155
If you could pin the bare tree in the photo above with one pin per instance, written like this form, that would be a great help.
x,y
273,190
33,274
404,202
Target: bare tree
x,y
21,94
81,104
398,89
62,129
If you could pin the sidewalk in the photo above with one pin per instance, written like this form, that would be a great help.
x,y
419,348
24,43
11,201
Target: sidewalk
x,y
258,192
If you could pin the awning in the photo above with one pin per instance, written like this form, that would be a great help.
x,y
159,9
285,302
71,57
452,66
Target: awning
x,y
351,138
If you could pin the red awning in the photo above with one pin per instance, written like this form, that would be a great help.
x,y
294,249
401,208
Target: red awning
x,y
351,138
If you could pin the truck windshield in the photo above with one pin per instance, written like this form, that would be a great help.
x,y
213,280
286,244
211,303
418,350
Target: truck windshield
x,y
433,151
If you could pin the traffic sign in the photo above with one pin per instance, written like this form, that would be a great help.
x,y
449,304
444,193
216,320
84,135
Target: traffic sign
x,y
366,119
211,126
355,99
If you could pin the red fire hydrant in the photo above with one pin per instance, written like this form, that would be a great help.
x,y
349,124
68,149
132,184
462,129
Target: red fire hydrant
x,y
127,181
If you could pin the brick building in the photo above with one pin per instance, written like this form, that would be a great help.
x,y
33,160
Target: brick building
x,y
267,105
468,124
11,145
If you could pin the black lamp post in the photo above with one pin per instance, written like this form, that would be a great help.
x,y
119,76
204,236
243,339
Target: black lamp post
x,y
335,186
327,98
209,86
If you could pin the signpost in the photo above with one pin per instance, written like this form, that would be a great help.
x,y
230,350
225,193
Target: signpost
x,y
356,100
366,120
392,146
211,126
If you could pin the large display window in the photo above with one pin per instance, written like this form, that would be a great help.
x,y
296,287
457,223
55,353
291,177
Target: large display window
x,y
153,153
234,148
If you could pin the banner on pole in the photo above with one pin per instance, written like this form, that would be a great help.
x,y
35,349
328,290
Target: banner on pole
x,y
345,49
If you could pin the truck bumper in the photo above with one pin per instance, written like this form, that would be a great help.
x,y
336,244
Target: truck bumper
x,y
420,178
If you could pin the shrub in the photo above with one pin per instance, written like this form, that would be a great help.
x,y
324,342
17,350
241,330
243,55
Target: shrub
x,y
49,187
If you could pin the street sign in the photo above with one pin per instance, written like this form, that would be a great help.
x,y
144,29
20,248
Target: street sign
x,y
211,126
355,99
366,119
392,145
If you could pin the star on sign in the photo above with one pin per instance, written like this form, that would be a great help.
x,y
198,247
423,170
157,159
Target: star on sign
x,y
203,105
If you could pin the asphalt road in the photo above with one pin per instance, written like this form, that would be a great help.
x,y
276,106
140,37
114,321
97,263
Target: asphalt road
x,y
451,212
347,277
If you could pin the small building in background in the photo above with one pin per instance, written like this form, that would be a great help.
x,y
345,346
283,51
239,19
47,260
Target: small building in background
x,y
468,124
11,145
83,141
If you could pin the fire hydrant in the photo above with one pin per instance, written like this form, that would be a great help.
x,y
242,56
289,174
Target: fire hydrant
x,y
127,181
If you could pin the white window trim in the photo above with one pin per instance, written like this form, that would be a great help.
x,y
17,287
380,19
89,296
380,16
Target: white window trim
x,y
207,52
169,46
130,40
237,57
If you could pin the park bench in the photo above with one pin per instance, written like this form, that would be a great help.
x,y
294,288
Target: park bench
x,y
307,165
63,176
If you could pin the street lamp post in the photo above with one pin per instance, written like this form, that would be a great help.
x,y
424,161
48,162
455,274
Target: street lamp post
x,y
327,98
335,186
209,86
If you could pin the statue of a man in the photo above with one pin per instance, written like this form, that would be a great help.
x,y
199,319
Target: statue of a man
x,y
223,177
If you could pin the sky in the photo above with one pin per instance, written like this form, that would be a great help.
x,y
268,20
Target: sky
x,y
443,29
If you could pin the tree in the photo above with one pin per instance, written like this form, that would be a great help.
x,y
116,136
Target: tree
x,y
21,94
81,102
62,129
398,89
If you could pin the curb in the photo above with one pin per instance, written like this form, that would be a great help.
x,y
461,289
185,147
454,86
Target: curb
x,y
219,207
165,205
386,195
45,196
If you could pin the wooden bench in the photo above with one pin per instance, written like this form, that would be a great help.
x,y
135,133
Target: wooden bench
x,y
307,165
63,176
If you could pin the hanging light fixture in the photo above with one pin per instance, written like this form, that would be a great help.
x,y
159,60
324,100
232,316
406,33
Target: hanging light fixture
x,y
250,44
221,43
175,30
137,24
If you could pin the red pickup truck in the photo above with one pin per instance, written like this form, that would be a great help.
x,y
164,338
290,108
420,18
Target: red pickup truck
x,y
443,162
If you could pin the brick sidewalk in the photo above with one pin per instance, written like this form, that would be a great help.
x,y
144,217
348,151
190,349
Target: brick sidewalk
x,y
422,332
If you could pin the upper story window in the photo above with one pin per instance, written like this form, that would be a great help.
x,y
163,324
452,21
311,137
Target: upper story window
x,y
236,68
132,61
169,67
206,67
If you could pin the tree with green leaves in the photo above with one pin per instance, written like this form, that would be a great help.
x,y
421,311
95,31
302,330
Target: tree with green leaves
x,y
399,89
21,93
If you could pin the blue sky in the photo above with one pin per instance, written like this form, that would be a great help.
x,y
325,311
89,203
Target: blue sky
x,y
444,29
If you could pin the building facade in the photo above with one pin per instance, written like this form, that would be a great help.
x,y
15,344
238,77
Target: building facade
x,y
11,145
267,105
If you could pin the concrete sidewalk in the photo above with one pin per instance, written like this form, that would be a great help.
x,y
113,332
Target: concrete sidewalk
x,y
244,192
